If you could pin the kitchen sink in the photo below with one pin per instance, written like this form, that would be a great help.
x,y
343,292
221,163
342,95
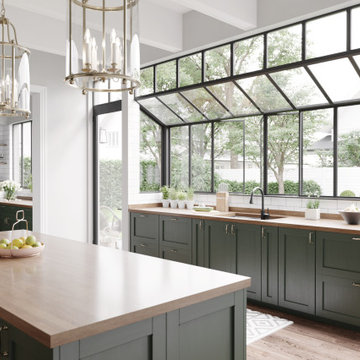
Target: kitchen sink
x,y
253,216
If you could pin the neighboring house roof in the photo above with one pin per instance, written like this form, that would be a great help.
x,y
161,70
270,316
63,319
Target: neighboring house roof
x,y
326,143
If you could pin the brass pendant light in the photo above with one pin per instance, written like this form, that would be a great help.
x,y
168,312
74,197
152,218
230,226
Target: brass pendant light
x,y
14,72
102,50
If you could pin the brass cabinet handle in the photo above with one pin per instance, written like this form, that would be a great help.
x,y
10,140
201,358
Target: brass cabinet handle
x,y
142,216
310,238
356,284
142,245
5,354
356,238
262,232
233,231
200,225
173,251
227,229
173,219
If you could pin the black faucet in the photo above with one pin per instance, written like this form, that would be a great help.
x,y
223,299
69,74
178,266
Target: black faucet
x,y
263,215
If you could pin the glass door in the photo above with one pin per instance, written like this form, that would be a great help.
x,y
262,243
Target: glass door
x,y
107,176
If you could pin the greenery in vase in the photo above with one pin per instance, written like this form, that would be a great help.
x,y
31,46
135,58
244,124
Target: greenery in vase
x,y
190,194
165,192
173,195
313,203
182,195
10,188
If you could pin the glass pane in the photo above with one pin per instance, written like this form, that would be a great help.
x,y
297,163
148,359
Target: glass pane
x,y
27,160
190,70
147,81
110,191
201,157
338,78
229,155
299,87
17,158
326,35
283,154
160,111
284,46
179,157
249,55
232,97
166,76
318,152
355,28
349,151
264,93
217,63
182,107
206,103
150,154
357,60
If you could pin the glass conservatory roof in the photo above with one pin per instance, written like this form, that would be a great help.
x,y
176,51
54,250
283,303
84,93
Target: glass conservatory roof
x,y
292,68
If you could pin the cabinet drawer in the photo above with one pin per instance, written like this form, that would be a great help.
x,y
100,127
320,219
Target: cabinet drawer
x,y
144,226
338,252
175,230
338,299
176,253
145,247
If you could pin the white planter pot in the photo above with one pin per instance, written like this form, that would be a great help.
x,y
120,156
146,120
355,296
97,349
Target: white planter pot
x,y
173,204
190,204
165,203
181,204
312,214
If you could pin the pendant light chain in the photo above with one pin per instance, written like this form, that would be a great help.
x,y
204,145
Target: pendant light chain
x,y
2,8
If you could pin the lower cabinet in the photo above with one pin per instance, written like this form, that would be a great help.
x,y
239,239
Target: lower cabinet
x,y
176,253
249,257
8,217
145,247
297,270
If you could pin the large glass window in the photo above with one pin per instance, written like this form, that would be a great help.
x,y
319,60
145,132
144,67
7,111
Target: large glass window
x,y
190,69
217,63
166,76
22,154
147,81
355,28
349,151
150,154
179,157
283,154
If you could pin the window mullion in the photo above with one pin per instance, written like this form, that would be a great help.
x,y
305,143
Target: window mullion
x,y
335,142
301,153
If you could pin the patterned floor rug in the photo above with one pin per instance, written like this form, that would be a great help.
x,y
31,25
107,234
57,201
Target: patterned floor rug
x,y
260,325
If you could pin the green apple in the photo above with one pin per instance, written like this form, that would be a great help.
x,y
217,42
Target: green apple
x,y
37,244
13,247
4,241
3,246
30,240
18,243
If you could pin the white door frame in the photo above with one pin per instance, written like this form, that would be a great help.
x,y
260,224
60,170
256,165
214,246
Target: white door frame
x,y
39,160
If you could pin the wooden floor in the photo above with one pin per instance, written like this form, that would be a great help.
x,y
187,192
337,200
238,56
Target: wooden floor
x,y
305,340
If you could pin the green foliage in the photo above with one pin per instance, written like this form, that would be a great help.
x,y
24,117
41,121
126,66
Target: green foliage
x,y
347,193
173,194
165,192
311,187
145,185
181,195
190,194
110,183
313,204
349,149
27,173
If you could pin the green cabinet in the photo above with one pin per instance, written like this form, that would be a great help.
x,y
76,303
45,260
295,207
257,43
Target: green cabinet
x,y
175,230
338,277
198,242
220,246
8,217
249,257
297,270
270,265
176,252
144,234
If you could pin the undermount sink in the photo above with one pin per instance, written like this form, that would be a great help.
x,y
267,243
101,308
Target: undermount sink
x,y
241,215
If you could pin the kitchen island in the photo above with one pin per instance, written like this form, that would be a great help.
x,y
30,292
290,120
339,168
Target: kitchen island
x,y
81,301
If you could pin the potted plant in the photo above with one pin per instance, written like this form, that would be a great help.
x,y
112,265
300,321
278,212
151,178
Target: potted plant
x,y
190,199
173,195
312,211
181,199
10,188
165,196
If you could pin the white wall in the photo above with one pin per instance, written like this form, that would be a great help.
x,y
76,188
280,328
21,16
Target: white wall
x,y
66,149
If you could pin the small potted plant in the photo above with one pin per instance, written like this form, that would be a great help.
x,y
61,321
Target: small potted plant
x,y
165,196
173,195
190,199
181,199
312,211
10,188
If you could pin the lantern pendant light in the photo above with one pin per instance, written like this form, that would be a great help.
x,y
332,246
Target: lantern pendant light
x,y
103,49
14,71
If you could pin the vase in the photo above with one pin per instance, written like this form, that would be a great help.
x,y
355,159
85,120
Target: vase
x,y
190,204
165,203
312,214
10,195
181,204
173,204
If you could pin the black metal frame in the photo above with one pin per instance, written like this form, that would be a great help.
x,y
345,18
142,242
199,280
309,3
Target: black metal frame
x,y
21,124
97,111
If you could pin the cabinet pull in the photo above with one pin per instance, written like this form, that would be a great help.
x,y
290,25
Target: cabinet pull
x,y
173,219
142,216
227,229
262,232
142,245
310,238
356,238
200,225
356,284
232,229
173,251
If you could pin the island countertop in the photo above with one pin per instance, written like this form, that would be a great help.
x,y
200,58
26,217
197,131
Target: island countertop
x,y
75,290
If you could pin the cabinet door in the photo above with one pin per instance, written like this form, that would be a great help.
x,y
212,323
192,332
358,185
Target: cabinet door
x,y
249,257
175,230
270,265
198,242
297,270
145,247
176,253
220,246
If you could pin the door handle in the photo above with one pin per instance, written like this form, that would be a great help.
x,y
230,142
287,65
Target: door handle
x,y
142,216
201,225
173,251
233,231
142,245
262,232
356,238
227,229
310,238
356,284
173,219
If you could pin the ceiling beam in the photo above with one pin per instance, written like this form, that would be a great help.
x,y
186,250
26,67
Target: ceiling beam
x,y
238,13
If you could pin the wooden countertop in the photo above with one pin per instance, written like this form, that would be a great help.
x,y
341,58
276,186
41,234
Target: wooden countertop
x,y
297,222
17,202
75,290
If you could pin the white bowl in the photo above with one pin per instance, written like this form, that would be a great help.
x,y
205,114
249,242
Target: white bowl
x,y
21,253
